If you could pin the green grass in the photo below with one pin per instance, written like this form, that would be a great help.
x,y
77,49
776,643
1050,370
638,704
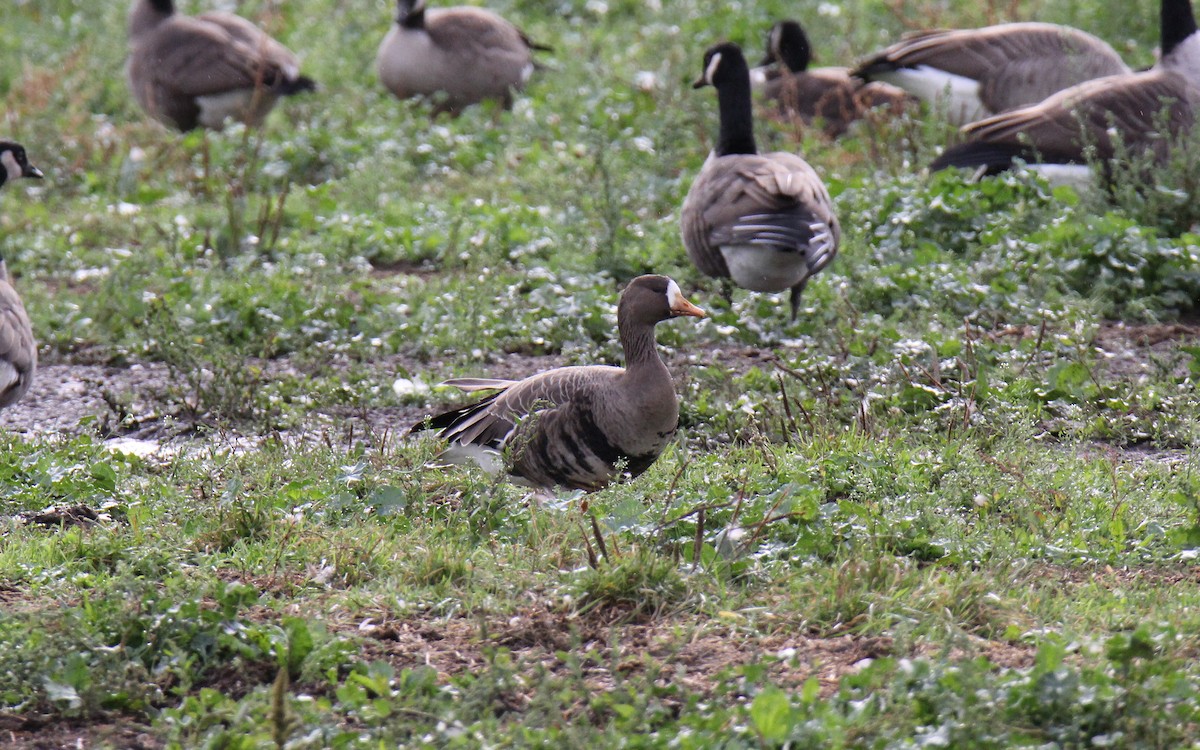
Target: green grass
x,y
955,505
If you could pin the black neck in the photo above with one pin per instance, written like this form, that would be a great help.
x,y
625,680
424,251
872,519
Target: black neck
x,y
1178,23
737,117
163,6
411,18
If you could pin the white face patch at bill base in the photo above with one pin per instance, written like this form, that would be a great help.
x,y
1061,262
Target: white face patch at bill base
x,y
675,299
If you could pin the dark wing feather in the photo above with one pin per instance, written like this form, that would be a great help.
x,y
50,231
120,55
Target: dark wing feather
x,y
773,199
1061,126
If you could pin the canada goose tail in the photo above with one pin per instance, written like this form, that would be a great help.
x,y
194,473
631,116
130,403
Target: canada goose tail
x,y
298,85
534,45
991,158
870,70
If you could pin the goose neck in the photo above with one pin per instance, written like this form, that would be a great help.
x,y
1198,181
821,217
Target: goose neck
x,y
1178,22
637,341
737,118
145,15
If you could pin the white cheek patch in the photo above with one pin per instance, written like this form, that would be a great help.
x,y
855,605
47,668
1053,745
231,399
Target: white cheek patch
x,y
711,70
674,296
773,42
10,165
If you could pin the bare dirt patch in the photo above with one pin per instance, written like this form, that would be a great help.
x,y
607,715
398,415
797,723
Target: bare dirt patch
x,y
19,733
1130,351
695,653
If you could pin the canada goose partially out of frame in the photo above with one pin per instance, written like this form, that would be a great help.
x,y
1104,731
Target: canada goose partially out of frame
x,y
575,427
199,71
828,93
18,351
763,220
1055,135
460,56
973,73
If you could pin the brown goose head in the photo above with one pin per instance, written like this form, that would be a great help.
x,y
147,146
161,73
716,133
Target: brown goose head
x,y
651,299
14,163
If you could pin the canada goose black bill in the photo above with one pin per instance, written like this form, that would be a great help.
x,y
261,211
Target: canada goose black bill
x,y
457,56
1058,135
765,221
201,71
574,427
973,73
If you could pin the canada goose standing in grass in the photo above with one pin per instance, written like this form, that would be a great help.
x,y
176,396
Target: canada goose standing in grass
x,y
973,73
1055,135
462,55
18,351
574,427
830,94
763,220
200,71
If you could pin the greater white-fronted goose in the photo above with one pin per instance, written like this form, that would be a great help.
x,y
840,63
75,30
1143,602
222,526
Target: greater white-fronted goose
x,y
459,56
829,93
973,73
18,351
201,71
574,427
765,221
1056,135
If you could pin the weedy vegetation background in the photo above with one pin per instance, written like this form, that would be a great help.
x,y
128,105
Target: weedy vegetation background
x,y
954,505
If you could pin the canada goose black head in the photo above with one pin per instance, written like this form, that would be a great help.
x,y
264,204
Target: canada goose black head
x,y
411,13
14,163
723,63
787,43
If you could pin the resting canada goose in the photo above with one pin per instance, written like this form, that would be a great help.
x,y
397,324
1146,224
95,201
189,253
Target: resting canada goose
x,y
973,73
830,94
763,220
190,72
574,427
463,54
1058,132
18,352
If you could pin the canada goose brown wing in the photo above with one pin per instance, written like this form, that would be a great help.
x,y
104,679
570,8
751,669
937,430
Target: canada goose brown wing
x,y
827,93
18,352
773,199
194,57
1087,114
476,30
252,37
1015,64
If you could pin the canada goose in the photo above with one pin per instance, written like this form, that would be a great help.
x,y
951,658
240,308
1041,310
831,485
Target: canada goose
x,y
199,71
463,54
18,352
1055,135
763,220
973,73
574,427
830,94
